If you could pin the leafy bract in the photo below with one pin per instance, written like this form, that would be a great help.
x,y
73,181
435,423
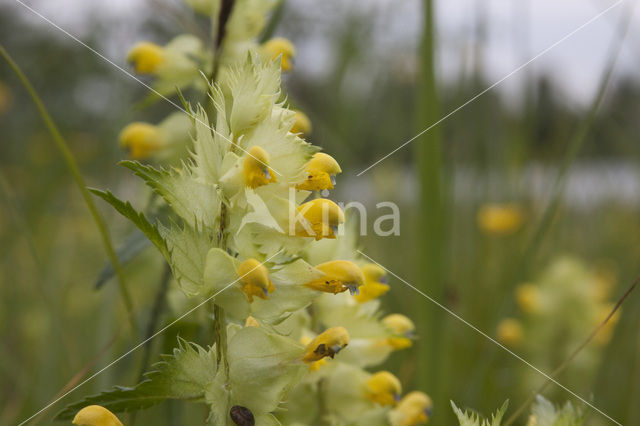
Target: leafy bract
x,y
183,375
546,414
474,419
138,219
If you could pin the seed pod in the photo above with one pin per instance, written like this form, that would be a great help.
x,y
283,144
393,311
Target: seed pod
x,y
242,416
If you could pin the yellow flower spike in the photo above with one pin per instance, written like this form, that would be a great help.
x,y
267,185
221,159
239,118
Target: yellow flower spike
x,y
384,388
327,343
323,216
146,57
414,409
500,219
339,276
375,283
321,173
510,332
251,322
281,46
141,140
302,124
95,415
403,327
528,298
255,279
255,168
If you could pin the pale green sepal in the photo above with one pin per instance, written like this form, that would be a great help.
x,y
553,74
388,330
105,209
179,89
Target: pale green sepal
x,y
467,418
221,279
546,414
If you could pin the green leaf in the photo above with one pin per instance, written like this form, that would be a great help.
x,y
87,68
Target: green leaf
x,y
183,375
138,219
474,419
195,202
547,415
188,247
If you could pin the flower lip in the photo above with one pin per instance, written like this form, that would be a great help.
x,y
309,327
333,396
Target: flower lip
x,y
326,344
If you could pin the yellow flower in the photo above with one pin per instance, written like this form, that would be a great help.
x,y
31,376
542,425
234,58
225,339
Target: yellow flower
x,y
339,276
255,168
95,415
510,332
281,46
606,332
146,57
323,218
327,343
321,173
251,322
255,279
500,219
302,124
141,140
384,388
415,408
316,365
527,298
402,327
375,283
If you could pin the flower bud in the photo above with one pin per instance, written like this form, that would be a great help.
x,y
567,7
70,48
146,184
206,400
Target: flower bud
x,y
321,173
339,276
375,283
302,124
255,279
255,168
327,343
251,322
95,415
384,388
402,327
323,218
415,408
510,332
280,46
141,140
146,57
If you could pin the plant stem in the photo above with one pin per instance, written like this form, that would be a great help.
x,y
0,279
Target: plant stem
x,y
79,180
571,357
431,234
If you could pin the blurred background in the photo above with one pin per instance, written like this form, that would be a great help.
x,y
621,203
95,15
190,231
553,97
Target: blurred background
x,y
535,182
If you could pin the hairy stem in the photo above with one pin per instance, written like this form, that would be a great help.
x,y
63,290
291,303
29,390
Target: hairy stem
x,y
79,180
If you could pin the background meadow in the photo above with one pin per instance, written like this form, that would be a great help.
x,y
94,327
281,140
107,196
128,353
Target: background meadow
x,y
558,140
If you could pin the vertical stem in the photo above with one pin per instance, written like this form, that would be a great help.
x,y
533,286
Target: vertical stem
x,y
79,180
431,239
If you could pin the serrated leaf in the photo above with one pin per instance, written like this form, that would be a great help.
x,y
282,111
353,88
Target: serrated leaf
x,y
195,202
467,418
138,219
210,147
546,414
183,375
187,247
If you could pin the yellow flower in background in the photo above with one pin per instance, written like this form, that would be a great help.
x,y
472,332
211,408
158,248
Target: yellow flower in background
x,y
402,327
146,57
255,168
414,409
375,283
141,140
255,279
321,173
327,343
603,336
500,219
339,276
280,46
302,124
95,415
510,332
528,298
323,216
384,388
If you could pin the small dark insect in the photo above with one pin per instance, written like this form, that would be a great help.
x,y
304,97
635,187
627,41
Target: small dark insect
x,y
242,416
